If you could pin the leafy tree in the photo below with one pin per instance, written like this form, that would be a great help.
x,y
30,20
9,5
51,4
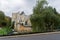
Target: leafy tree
x,y
55,11
44,18
12,24
37,17
2,15
2,18
8,20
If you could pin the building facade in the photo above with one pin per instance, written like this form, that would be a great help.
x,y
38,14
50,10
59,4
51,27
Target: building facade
x,y
21,21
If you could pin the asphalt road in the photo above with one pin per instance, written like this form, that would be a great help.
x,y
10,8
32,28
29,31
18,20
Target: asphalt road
x,y
34,37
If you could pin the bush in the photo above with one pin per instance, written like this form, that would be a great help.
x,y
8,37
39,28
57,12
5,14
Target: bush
x,y
5,31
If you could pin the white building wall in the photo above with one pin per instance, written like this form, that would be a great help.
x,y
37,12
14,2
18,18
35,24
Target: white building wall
x,y
20,19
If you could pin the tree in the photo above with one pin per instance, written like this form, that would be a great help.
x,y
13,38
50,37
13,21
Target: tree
x,y
8,20
44,18
2,15
39,6
37,16
2,18
50,18
55,11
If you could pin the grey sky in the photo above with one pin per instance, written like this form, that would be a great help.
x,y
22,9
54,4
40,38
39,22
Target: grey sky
x,y
10,6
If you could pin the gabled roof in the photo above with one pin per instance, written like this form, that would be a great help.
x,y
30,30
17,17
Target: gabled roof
x,y
22,13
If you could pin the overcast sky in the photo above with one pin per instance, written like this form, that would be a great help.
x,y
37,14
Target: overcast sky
x,y
10,6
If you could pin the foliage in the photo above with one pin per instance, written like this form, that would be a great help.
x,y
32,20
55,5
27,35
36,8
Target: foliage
x,y
44,18
5,31
4,20
2,15
12,26
8,20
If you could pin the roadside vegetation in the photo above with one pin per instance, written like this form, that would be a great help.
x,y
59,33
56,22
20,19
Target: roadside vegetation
x,y
5,31
5,24
44,18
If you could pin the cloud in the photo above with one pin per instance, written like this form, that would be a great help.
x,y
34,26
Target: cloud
x,y
55,4
10,6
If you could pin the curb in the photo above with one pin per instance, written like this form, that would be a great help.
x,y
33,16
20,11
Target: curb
x,y
28,35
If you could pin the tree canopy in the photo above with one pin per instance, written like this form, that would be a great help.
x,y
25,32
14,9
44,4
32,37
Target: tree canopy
x,y
2,15
4,20
44,18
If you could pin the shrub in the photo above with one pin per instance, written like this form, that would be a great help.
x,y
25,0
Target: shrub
x,y
5,31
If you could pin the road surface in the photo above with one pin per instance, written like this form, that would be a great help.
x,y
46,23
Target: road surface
x,y
34,37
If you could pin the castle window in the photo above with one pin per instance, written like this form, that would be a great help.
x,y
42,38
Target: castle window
x,y
26,23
